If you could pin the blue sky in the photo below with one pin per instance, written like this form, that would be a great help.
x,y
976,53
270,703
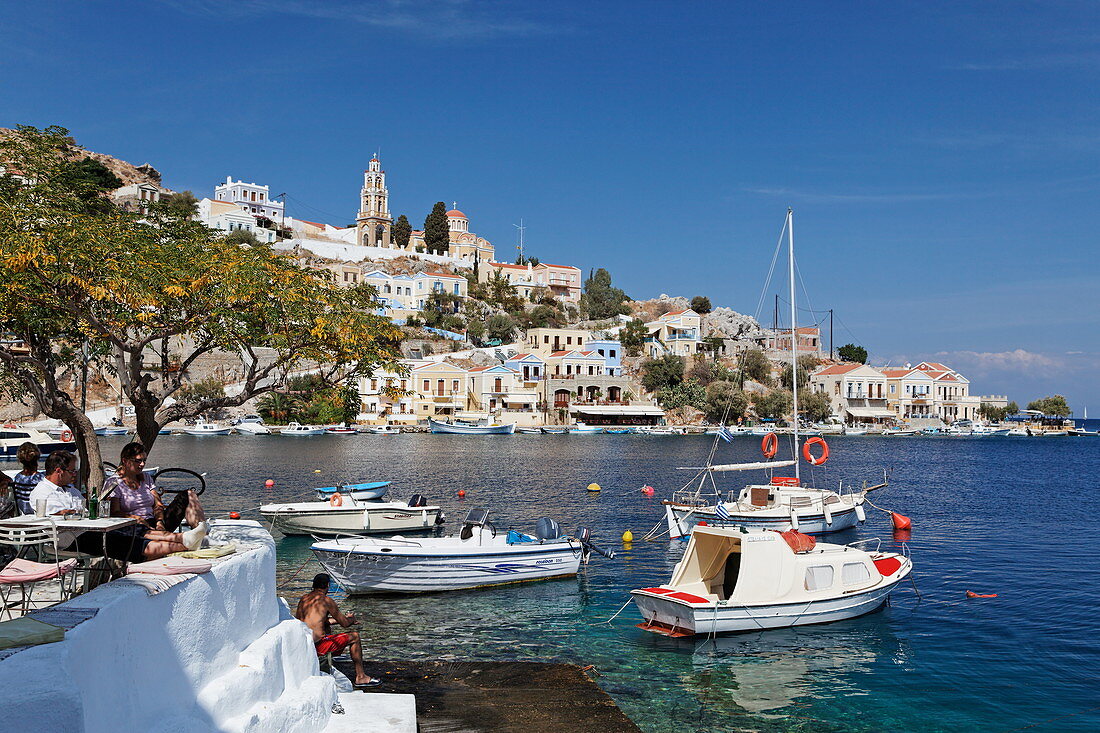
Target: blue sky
x,y
942,158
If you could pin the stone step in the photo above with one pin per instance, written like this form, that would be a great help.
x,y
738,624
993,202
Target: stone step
x,y
374,712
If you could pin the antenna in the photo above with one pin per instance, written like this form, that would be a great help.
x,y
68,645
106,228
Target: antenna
x,y
521,229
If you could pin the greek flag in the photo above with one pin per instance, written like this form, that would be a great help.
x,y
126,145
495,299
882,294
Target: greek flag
x,y
725,434
721,512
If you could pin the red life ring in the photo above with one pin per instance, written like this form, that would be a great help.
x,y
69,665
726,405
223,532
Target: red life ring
x,y
336,500
66,436
813,460
769,446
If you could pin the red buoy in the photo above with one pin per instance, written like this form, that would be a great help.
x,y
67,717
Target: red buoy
x,y
462,493
972,594
901,521
269,483
234,515
647,490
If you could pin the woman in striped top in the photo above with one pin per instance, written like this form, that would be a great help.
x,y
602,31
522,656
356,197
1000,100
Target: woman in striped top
x,y
24,482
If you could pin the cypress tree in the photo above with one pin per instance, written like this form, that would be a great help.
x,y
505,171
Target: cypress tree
x,y
402,230
436,231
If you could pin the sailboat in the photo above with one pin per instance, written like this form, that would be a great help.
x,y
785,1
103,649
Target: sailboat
x,y
1082,431
781,502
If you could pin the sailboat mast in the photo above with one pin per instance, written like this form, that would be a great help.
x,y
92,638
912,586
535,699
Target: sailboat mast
x,y
794,336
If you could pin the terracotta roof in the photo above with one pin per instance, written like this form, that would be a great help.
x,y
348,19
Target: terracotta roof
x,y
896,372
510,267
311,223
565,267
837,369
456,214
560,353
675,313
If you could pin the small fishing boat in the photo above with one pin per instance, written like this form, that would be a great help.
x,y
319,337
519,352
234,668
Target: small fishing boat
x,y
360,492
554,431
462,428
341,429
854,431
478,556
382,430
206,428
582,429
12,436
112,430
529,431
748,580
348,516
900,432
620,431
297,430
252,428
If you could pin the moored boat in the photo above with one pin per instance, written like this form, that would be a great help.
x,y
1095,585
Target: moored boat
x,y
461,428
206,428
296,430
340,429
748,580
360,492
351,517
13,436
382,430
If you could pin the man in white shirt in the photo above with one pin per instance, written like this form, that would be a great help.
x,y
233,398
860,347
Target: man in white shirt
x,y
56,488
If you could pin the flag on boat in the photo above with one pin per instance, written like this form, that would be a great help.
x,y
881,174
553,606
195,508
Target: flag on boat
x,y
725,434
721,512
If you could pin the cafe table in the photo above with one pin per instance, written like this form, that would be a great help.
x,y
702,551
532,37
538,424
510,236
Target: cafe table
x,y
70,529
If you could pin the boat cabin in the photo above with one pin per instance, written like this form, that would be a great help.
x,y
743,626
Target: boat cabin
x,y
763,566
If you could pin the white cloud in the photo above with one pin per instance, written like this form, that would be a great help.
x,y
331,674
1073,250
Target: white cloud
x,y
987,362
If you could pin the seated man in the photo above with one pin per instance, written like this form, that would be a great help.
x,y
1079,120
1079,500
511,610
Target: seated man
x,y
314,610
61,498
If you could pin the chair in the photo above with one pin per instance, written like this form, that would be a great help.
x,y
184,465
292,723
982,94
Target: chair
x,y
23,573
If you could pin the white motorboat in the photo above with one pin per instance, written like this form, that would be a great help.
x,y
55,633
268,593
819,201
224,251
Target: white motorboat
x,y
855,431
462,428
783,502
252,428
112,430
529,431
297,430
347,516
760,430
553,431
900,432
582,429
340,429
206,428
360,492
748,580
13,436
382,430
478,556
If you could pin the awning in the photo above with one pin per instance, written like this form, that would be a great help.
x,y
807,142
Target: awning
x,y
616,410
869,412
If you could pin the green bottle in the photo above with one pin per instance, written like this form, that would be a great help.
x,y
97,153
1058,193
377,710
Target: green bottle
x,y
93,506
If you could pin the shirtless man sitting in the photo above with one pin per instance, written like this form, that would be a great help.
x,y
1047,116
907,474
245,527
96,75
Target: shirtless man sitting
x,y
314,610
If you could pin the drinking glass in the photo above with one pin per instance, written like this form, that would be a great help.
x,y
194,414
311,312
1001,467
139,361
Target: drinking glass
x,y
39,507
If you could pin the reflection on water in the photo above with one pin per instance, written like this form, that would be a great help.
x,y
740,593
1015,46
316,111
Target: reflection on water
x,y
943,664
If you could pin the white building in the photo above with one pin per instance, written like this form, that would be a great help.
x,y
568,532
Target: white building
x,y
230,217
252,197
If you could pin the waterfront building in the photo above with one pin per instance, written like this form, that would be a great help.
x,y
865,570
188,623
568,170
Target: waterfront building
x,y
777,343
567,363
612,353
251,197
857,392
678,333
496,390
440,389
546,340
387,397
909,393
531,366
228,217
374,224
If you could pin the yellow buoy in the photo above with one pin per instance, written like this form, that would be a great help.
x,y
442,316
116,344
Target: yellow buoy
x,y
628,536
317,470
593,487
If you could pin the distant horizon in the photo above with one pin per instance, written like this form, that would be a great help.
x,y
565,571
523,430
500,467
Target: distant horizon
x,y
941,160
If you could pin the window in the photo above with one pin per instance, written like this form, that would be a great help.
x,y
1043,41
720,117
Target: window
x,y
427,386
893,388
497,386
569,339
854,573
439,385
819,577
546,339
261,197
374,385
612,353
457,289
454,385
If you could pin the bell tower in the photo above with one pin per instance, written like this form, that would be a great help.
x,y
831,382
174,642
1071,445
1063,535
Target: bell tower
x,y
374,223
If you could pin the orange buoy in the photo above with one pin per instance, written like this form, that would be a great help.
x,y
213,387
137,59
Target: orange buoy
x,y
972,594
810,457
769,446
269,483
234,515
900,521
462,493
903,535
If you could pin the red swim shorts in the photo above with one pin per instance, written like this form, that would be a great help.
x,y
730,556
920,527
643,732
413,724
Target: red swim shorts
x,y
333,643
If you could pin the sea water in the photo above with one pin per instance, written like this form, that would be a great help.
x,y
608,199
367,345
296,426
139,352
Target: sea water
x,y
1011,516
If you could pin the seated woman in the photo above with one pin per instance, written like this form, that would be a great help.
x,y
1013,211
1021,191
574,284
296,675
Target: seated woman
x,y
132,493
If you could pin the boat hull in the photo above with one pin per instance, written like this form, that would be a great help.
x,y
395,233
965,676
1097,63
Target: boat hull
x,y
328,521
681,518
361,572
442,427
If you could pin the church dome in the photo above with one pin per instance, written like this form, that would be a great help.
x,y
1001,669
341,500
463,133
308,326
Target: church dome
x,y
456,214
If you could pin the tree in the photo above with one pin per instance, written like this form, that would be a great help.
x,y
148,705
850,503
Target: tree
x,y
278,408
209,388
806,364
687,392
815,406
600,300
475,331
775,404
401,232
851,352
755,366
1054,406
632,336
1012,408
159,291
724,402
662,373
242,236
92,180
182,205
437,234
501,293
701,304
500,328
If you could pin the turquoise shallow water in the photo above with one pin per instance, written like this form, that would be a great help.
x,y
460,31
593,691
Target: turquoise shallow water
x,y
1016,517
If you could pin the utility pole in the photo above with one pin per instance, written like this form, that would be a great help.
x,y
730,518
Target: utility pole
x,y
831,356
775,317
521,229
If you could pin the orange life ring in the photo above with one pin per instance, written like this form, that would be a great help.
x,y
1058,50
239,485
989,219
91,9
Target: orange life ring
x,y
66,436
336,500
814,460
769,446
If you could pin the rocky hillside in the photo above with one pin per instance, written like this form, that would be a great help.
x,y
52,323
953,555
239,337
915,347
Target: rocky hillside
x,y
127,172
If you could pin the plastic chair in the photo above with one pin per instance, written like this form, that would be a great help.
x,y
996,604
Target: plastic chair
x,y
27,573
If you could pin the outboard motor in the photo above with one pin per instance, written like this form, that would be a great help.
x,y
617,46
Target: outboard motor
x,y
547,529
584,536
475,518
417,500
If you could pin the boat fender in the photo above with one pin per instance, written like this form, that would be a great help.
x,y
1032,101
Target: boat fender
x,y
828,515
66,436
810,457
769,446
336,500
972,594
794,519
900,521
234,515
860,514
